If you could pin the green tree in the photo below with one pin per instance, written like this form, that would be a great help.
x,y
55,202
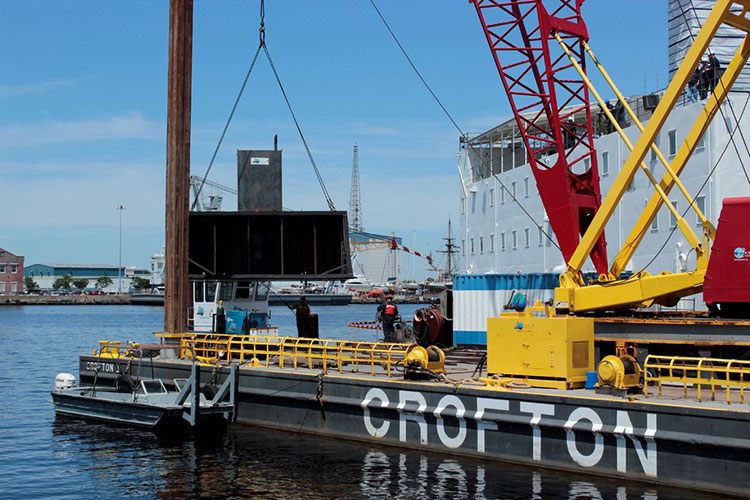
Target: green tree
x,y
81,283
29,284
139,283
103,282
63,282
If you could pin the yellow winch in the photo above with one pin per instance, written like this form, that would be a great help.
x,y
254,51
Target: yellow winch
x,y
620,372
423,363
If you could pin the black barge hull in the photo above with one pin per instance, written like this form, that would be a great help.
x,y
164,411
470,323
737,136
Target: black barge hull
x,y
699,446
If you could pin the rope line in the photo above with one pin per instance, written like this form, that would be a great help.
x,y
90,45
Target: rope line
x,y
460,131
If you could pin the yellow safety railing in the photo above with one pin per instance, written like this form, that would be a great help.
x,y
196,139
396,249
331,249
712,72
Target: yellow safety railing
x,y
295,352
722,374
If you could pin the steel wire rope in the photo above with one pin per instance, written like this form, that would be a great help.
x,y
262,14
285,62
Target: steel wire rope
x,y
727,100
296,123
226,126
731,139
262,45
460,131
716,164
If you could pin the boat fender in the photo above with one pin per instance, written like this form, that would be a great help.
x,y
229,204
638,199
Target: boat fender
x,y
124,383
209,391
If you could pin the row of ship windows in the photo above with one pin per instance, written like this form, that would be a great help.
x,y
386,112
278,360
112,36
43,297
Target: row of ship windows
x,y
477,244
12,268
672,151
513,240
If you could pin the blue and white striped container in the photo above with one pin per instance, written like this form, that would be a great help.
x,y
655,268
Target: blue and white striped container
x,y
477,297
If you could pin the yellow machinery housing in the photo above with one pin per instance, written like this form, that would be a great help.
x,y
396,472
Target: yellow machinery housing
x,y
540,351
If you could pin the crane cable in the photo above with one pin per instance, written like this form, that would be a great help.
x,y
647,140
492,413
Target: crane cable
x,y
460,131
262,45
723,152
728,100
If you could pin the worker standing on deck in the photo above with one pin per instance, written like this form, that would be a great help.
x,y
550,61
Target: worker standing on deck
x,y
221,319
302,311
387,313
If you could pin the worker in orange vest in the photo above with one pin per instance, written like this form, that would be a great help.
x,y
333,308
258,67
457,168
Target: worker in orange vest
x,y
387,313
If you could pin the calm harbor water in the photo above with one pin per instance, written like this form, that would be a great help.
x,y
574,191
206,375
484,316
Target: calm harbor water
x,y
44,457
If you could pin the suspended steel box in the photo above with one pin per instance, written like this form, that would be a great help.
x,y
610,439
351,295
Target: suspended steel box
x,y
259,180
543,352
269,246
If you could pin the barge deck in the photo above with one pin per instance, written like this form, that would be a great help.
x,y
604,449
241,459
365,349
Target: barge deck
x,y
672,438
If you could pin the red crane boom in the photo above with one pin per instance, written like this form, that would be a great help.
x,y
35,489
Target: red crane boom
x,y
546,94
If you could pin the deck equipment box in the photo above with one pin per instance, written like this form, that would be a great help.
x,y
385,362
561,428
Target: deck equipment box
x,y
543,352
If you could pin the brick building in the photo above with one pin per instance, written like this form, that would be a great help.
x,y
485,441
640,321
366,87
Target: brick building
x,y
11,273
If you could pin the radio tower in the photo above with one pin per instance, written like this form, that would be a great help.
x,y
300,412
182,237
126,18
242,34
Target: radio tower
x,y
355,201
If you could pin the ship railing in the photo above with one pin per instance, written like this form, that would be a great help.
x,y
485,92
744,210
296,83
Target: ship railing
x,y
729,375
297,352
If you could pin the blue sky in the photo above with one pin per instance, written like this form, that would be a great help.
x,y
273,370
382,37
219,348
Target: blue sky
x,y
83,109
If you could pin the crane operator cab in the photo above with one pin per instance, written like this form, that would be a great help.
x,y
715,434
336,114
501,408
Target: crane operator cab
x,y
245,305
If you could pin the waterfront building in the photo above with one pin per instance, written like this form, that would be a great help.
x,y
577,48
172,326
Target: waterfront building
x,y
46,274
11,273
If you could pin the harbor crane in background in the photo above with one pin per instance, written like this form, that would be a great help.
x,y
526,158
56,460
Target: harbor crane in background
x,y
536,46
208,203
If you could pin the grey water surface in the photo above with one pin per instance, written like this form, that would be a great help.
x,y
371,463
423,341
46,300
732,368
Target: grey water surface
x,y
45,457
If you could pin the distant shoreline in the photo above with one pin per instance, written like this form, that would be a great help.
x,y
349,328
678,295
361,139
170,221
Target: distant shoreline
x,y
58,300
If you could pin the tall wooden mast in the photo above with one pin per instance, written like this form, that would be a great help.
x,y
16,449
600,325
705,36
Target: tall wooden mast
x,y
176,285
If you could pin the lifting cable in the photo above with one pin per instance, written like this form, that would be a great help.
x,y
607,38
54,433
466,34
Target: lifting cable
x,y
716,164
726,146
727,100
460,131
262,45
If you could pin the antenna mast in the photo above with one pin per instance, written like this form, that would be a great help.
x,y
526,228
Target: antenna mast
x,y
355,201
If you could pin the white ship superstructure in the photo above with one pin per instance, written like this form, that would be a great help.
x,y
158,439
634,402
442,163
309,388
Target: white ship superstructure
x,y
498,237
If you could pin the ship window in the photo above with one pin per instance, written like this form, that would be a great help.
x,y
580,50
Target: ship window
x,y
481,244
463,247
198,291
513,189
700,202
262,290
526,237
672,219
701,144
514,240
653,153
243,290
605,163
672,135
463,205
211,291
541,236
492,243
526,187
502,241
655,223
226,290
502,195
471,241
492,197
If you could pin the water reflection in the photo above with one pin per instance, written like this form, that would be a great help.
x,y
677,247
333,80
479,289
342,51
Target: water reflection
x,y
247,462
